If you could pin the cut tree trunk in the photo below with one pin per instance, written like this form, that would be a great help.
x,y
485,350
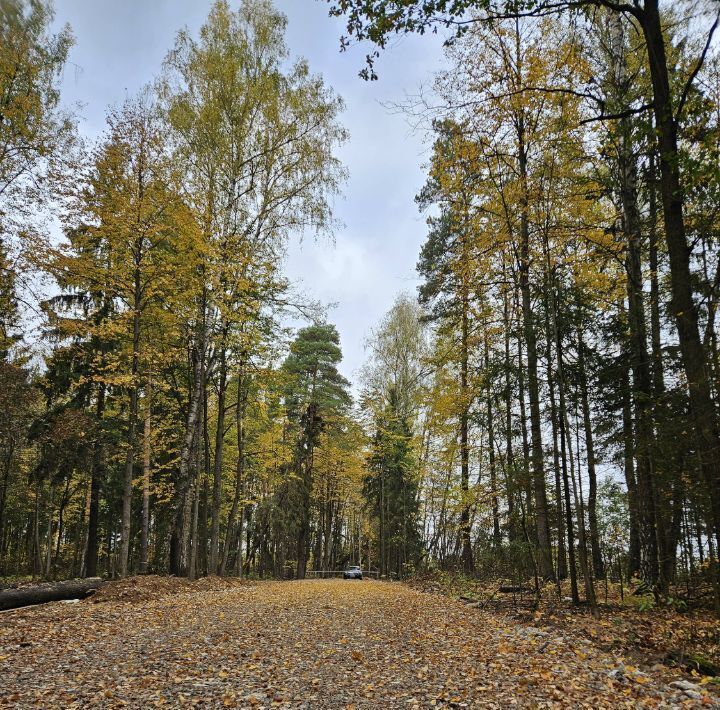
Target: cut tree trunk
x,y
16,598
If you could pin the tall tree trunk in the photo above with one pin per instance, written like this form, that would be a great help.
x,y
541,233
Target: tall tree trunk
x,y
497,535
545,565
204,502
218,459
132,423
8,456
565,448
597,559
655,325
78,565
513,534
97,474
37,549
642,405
579,508
562,568
239,467
642,383
383,554
526,489
147,442
319,535
669,560
48,534
306,480
61,518
542,523
239,555
693,354
194,542
629,471
177,538
467,555
666,462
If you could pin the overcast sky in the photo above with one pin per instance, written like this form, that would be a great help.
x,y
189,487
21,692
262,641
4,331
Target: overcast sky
x,y
120,47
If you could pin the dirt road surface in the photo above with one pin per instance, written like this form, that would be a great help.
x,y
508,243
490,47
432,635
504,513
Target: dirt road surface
x,y
312,644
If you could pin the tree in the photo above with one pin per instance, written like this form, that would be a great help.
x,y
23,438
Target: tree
x,y
448,263
315,395
394,398
255,135
33,132
164,336
31,62
20,403
398,347
391,489
134,240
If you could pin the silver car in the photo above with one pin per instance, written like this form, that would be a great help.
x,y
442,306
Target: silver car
x,y
353,572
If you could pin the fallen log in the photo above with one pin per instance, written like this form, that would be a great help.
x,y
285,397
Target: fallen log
x,y
515,589
56,591
692,662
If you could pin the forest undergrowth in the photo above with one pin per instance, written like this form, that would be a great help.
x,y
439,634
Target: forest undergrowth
x,y
630,623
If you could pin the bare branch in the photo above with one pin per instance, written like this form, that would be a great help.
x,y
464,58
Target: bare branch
x,y
696,70
616,116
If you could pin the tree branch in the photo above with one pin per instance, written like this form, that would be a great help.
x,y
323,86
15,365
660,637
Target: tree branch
x,y
615,116
696,70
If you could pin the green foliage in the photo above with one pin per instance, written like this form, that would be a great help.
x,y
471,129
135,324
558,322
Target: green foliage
x,y
613,517
9,312
391,489
398,349
312,369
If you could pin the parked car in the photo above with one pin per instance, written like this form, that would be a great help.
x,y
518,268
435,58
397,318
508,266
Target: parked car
x,y
352,572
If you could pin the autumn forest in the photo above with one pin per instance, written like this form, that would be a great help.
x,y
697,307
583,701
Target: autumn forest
x,y
540,415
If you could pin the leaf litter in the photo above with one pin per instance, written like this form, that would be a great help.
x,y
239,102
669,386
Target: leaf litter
x,y
310,644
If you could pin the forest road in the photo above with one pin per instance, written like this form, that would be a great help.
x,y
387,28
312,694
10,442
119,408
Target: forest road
x,y
310,644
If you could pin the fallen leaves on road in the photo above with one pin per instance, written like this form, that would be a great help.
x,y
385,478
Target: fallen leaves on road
x,y
144,588
659,635
314,644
